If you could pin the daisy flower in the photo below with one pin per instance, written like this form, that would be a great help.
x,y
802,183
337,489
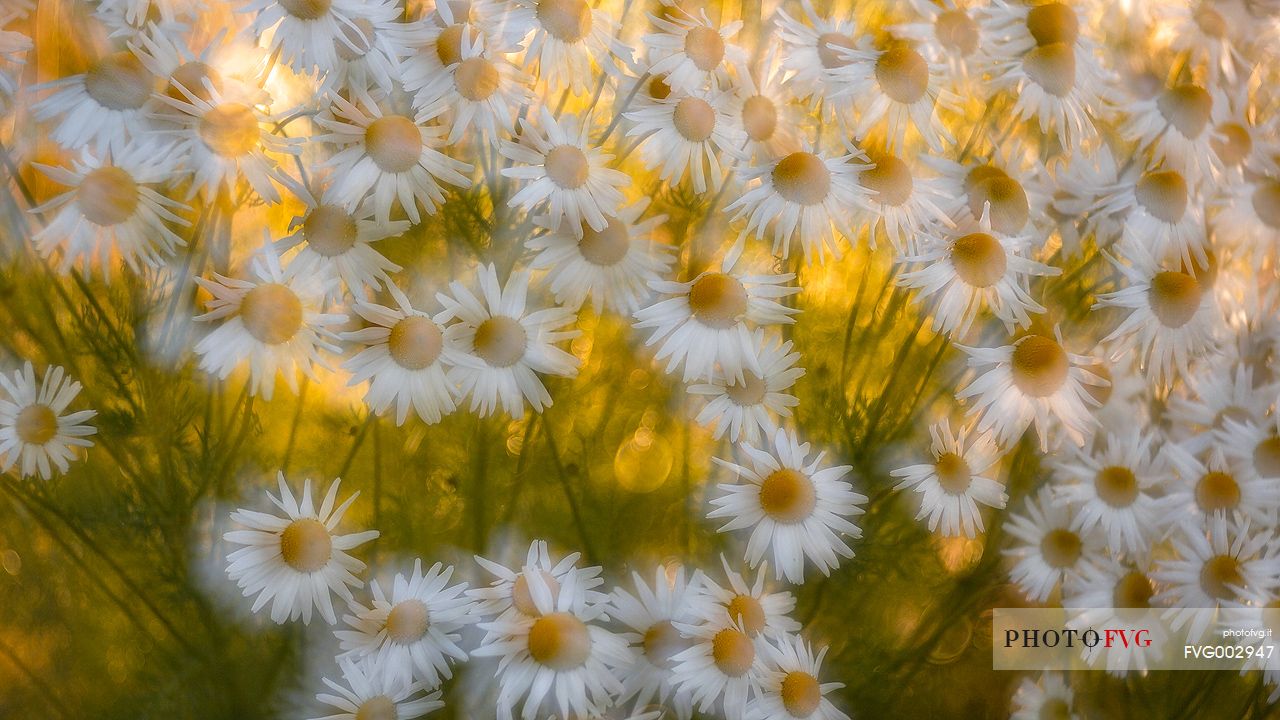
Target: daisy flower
x,y
1016,198
1204,35
560,658
336,243
35,436
501,344
413,633
274,320
1114,594
111,211
567,177
899,204
370,692
1211,397
970,267
1047,552
896,86
130,18
1034,379
793,505
1249,213
693,52
1213,485
514,589
753,607
1252,448
481,89
103,108
708,321
1049,696
295,562
1116,486
812,49
387,157
687,133
650,616
1214,566
221,137
762,107
1161,216
790,687
946,33
803,196
437,40
372,45
565,40
1175,127
744,410
405,360
723,666
613,266
1171,319
955,482
306,34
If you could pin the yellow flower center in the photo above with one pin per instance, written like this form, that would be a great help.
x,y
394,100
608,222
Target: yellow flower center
x,y
1052,67
1132,592
330,231
559,641
36,424
1054,709
662,642
119,81
953,473
1219,574
306,9
408,621
567,166
979,259
568,21
1187,108
1266,202
759,118
694,119
1009,207
476,79
718,300
1039,366
501,341
1060,548
1174,298
956,31
831,47
747,612
802,178
1116,486
379,707
415,342
107,196
356,40
1210,21
394,142
230,130
449,43
1266,458
1053,23
522,599
733,652
606,247
272,313
1164,195
305,545
750,391
1234,145
787,496
191,75
890,180
801,694
659,89
903,74
705,47
1217,490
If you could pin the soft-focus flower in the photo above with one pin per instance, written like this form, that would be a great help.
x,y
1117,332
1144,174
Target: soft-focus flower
x,y
35,436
